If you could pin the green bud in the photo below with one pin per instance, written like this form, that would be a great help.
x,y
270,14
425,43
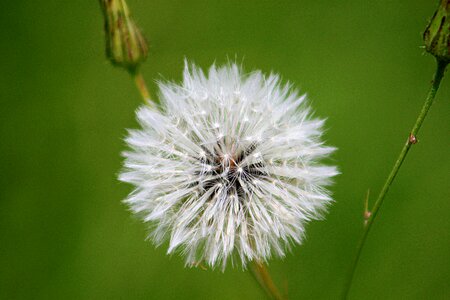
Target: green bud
x,y
437,33
125,45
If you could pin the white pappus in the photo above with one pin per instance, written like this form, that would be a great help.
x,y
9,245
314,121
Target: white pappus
x,y
230,169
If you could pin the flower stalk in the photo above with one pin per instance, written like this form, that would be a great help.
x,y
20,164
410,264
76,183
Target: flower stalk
x,y
262,276
439,74
142,88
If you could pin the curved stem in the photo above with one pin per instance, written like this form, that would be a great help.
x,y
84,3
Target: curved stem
x,y
142,87
439,74
262,276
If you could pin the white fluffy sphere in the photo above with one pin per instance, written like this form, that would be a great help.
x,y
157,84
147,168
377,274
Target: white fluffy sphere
x,y
230,169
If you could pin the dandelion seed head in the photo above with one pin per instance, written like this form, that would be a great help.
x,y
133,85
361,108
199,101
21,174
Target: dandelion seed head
x,y
230,170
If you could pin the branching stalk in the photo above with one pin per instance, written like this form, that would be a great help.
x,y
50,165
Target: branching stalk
x,y
439,74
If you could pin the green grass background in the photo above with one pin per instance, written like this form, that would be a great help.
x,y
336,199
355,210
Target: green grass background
x,y
64,233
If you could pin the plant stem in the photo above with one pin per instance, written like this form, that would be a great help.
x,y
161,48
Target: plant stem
x,y
439,74
142,87
262,276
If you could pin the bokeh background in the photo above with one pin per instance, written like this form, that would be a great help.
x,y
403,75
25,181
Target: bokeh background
x,y
64,110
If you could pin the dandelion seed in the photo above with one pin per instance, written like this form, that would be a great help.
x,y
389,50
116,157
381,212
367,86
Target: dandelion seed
x,y
238,183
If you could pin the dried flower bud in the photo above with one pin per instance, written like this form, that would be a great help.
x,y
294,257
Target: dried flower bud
x,y
437,33
125,44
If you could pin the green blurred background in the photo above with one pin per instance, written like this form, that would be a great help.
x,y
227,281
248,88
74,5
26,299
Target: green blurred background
x,y
64,233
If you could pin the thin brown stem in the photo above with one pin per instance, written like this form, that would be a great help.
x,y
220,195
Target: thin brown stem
x,y
262,276
142,87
